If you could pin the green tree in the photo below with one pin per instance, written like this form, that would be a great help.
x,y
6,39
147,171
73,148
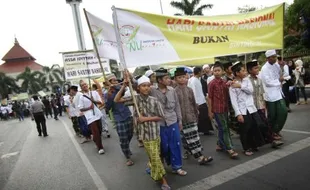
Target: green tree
x,y
297,27
51,76
31,81
190,7
7,85
246,9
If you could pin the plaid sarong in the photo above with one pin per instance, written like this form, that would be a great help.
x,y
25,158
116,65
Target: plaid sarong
x,y
125,132
152,149
191,140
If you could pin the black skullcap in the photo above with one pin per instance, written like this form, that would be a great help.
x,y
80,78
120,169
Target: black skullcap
x,y
161,72
180,71
75,88
137,77
226,65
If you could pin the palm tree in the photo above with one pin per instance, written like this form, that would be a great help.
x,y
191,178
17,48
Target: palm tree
x,y
190,8
52,76
7,85
31,82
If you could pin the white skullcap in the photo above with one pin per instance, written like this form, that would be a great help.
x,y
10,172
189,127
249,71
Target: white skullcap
x,y
270,53
110,77
205,66
148,73
299,63
143,79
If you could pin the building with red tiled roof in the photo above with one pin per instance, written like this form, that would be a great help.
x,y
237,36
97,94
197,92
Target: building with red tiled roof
x,y
17,59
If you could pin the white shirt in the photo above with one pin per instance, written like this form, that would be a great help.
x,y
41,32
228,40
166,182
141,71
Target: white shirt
x,y
195,84
94,114
242,98
73,110
286,74
4,109
76,100
210,79
270,75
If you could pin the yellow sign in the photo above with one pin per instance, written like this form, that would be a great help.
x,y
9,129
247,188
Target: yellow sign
x,y
149,39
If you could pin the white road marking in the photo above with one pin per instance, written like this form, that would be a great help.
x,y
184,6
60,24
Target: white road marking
x,y
96,178
296,131
9,155
241,169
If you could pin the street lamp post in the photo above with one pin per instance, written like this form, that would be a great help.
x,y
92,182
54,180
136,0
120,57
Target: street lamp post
x,y
77,22
161,7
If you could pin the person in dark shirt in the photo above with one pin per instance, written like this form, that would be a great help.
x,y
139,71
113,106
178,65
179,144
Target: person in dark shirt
x,y
122,116
47,105
54,106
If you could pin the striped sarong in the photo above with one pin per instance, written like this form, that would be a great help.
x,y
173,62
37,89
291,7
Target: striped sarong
x,y
191,139
125,132
152,149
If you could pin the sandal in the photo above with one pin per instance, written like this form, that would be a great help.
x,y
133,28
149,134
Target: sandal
x,y
205,160
219,149
276,137
185,155
165,187
180,172
232,154
129,163
140,144
248,153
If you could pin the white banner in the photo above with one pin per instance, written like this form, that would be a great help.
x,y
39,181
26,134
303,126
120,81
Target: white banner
x,y
105,37
83,65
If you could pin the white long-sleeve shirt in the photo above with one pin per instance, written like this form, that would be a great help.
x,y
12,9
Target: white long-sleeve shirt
x,y
93,114
242,98
195,84
286,74
270,75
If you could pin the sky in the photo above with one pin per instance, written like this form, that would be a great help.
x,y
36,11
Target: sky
x,y
45,28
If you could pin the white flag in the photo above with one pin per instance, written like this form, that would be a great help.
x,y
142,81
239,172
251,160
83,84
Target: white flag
x,y
143,43
105,38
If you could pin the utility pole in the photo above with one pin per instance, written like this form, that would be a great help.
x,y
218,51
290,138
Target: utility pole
x,y
75,4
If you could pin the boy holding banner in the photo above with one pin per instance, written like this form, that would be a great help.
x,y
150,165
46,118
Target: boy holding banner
x,y
122,116
148,126
171,126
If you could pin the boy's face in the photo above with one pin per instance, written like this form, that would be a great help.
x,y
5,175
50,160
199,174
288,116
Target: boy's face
x,y
217,72
254,70
153,78
144,88
228,70
165,80
241,73
181,80
72,92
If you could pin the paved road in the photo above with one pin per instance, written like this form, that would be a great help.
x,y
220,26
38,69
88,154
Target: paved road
x,y
60,162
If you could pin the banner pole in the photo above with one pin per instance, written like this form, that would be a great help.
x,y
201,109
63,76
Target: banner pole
x,y
282,52
94,44
121,56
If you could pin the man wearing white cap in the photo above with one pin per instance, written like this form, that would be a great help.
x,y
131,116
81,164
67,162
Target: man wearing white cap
x,y
276,107
151,75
